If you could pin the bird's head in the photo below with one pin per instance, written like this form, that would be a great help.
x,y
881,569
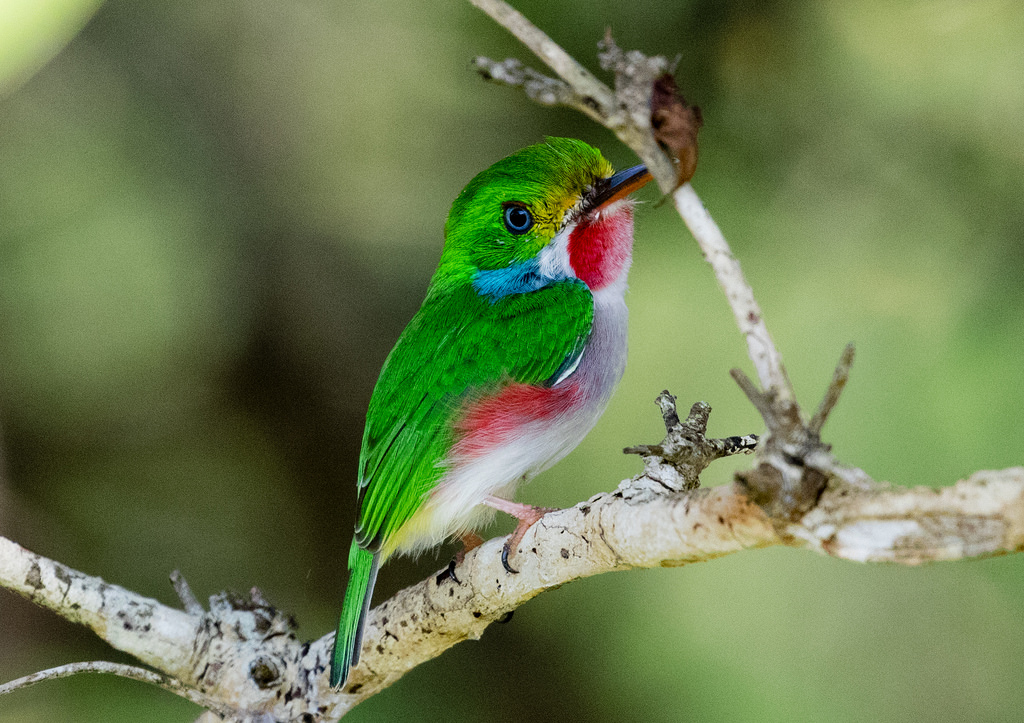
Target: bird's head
x,y
548,212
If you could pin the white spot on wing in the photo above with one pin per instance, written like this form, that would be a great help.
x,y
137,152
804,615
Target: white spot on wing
x,y
571,368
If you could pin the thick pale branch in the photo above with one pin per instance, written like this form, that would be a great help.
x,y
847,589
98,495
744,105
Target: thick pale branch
x,y
249,659
981,516
152,632
617,531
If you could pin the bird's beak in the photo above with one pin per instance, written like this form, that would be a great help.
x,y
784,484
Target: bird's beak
x,y
619,186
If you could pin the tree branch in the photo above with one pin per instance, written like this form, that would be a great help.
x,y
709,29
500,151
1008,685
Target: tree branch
x,y
243,655
745,309
131,672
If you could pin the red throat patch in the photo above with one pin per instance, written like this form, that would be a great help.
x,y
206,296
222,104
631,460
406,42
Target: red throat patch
x,y
600,250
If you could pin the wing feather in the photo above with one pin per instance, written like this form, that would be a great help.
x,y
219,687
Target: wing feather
x,y
459,346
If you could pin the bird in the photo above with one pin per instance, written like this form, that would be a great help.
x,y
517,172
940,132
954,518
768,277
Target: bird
x,y
507,365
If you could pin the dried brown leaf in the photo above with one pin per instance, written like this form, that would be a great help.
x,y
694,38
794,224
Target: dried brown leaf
x,y
676,124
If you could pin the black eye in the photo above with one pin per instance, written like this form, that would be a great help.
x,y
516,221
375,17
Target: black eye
x,y
517,219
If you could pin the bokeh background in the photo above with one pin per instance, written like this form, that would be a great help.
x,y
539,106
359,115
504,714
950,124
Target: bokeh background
x,y
216,216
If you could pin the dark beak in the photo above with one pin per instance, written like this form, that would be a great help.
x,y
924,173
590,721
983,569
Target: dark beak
x,y
620,185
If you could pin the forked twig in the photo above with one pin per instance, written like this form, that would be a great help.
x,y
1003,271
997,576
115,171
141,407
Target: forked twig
x,y
685,447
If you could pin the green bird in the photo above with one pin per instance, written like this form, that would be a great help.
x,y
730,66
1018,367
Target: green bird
x,y
507,365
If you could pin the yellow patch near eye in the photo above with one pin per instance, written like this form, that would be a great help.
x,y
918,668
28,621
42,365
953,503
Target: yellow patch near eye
x,y
550,215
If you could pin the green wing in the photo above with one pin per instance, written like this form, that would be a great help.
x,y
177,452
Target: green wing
x,y
458,344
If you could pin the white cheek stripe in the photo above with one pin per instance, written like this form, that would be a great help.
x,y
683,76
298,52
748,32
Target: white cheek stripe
x,y
553,259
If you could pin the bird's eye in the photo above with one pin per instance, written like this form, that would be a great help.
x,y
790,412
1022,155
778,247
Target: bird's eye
x,y
517,219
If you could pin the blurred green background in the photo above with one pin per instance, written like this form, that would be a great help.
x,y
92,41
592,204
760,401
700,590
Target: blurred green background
x,y
217,216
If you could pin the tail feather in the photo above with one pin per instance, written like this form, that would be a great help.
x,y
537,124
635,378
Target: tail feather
x,y
362,567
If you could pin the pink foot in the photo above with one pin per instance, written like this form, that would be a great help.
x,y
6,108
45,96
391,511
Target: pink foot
x,y
528,515
470,541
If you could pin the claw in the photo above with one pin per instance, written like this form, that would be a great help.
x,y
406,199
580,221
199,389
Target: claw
x,y
505,549
527,516
451,572
448,574
470,541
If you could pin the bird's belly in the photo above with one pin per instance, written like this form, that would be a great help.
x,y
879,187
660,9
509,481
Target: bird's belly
x,y
519,432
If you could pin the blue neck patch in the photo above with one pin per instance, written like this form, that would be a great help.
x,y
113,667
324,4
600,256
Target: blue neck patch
x,y
518,278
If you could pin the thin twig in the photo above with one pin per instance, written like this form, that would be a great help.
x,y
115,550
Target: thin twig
x,y
185,594
746,311
835,389
103,667
579,78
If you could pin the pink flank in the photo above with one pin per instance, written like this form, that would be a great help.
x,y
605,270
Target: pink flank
x,y
600,249
496,420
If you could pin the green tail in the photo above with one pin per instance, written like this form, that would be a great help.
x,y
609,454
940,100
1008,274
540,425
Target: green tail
x,y
362,574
